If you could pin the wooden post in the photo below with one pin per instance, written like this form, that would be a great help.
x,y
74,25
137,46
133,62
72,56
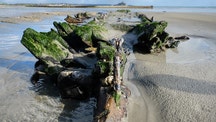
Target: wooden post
x,y
117,70
114,106
117,64
117,76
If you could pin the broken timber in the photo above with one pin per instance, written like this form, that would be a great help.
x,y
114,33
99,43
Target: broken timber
x,y
113,101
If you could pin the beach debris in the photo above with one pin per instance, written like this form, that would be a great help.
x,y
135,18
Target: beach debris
x,y
102,15
112,103
119,19
74,83
172,43
182,38
78,18
49,48
57,52
123,27
143,16
57,56
95,19
105,53
81,37
70,19
124,10
117,64
82,63
75,62
107,81
152,37
83,16
46,46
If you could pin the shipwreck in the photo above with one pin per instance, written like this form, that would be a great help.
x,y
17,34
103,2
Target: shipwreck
x,y
82,63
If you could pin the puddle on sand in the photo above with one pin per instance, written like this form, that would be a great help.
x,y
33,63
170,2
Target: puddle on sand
x,y
194,50
133,20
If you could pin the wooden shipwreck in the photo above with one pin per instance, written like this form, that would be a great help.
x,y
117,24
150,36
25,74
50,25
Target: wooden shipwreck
x,y
82,63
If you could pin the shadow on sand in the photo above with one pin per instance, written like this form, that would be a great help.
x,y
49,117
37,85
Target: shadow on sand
x,y
73,110
179,83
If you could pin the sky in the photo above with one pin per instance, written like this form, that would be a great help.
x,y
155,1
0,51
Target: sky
x,y
128,2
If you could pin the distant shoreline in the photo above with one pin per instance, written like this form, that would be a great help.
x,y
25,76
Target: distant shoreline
x,y
91,6
83,6
79,6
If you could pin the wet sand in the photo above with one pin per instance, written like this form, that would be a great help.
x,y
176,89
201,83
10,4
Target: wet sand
x,y
176,85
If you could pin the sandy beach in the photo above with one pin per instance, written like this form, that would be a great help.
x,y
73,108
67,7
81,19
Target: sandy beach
x,y
178,85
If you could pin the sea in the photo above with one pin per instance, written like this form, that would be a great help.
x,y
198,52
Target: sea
x,y
20,100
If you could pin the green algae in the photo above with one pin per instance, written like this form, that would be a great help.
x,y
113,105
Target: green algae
x,y
42,45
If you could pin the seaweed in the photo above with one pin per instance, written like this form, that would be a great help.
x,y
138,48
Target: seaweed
x,y
42,45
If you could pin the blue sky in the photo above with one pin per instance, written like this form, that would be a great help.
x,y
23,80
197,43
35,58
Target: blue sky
x,y
129,2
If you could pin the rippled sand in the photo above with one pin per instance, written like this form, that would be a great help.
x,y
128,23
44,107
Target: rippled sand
x,y
176,85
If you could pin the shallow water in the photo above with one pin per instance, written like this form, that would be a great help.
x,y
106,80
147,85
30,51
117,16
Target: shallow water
x,y
179,80
19,99
196,49
19,10
22,101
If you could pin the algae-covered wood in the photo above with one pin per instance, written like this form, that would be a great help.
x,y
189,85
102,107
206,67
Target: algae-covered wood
x,y
85,35
45,45
152,36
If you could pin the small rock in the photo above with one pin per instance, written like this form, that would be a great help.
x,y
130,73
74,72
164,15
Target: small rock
x,y
70,19
74,84
182,38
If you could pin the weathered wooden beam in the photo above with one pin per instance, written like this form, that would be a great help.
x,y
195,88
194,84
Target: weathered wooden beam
x,y
112,100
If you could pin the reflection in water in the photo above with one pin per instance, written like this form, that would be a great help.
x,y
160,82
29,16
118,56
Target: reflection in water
x,y
8,41
48,97
22,101
134,20
193,50
78,111
19,99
